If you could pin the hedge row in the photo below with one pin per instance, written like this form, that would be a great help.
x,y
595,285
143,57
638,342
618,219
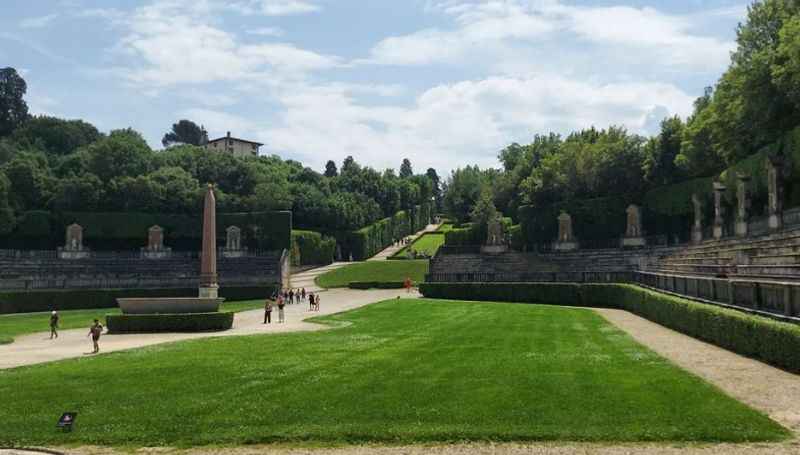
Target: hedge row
x,y
375,285
35,301
160,323
773,342
370,240
311,248
126,231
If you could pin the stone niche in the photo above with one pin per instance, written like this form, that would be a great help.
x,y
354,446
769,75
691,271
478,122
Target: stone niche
x,y
566,240
495,238
233,243
73,247
155,248
633,231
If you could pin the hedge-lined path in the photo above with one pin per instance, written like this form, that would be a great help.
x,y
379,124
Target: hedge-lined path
x,y
306,279
766,388
392,249
38,348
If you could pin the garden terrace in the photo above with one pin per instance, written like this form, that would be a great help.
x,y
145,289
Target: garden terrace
x,y
44,270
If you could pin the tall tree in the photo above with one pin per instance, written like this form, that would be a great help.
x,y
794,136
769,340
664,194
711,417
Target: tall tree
x,y
405,169
330,169
185,132
13,109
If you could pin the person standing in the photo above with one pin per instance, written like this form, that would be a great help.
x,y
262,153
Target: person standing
x,y
316,302
311,301
303,294
291,296
53,324
281,304
95,331
407,284
268,312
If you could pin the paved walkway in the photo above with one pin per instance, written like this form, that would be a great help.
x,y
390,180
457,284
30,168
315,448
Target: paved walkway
x,y
306,279
39,348
392,249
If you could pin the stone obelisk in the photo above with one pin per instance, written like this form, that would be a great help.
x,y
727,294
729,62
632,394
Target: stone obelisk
x,y
208,258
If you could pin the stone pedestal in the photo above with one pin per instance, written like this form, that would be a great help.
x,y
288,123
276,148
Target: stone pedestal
x,y
775,191
494,249
565,246
210,292
73,246
155,248
697,227
631,242
719,221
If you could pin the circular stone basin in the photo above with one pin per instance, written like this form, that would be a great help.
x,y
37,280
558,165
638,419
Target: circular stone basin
x,y
169,305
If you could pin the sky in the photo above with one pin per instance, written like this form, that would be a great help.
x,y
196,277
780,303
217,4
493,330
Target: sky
x,y
445,83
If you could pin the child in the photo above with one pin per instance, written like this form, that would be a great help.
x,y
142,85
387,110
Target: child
x,y
95,331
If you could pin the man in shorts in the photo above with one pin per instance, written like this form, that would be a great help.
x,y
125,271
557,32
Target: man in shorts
x,y
95,331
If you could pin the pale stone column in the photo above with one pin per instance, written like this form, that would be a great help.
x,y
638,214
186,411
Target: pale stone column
x,y
775,189
719,219
697,228
742,204
208,259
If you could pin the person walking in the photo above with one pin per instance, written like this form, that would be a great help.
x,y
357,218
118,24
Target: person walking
x,y
291,296
268,312
95,331
281,304
303,293
53,324
316,302
407,284
311,302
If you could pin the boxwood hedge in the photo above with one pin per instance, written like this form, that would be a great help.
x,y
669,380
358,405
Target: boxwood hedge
x,y
773,342
158,323
33,301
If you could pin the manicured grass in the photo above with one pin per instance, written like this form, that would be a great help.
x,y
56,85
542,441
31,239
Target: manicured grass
x,y
428,244
400,371
374,271
445,227
13,325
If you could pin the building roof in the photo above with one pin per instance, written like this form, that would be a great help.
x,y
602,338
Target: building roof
x,y
223,138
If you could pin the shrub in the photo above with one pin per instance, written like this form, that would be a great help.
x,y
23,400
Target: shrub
x,y
773,342
375,285
34,301
370,240
158,323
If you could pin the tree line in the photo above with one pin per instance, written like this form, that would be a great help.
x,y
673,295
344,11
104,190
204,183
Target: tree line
x,y
755,103
48,163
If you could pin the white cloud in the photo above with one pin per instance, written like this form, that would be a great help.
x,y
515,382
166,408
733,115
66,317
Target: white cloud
x,y
287,7
38,22
175,48
266,31
218,123
459,123
526,27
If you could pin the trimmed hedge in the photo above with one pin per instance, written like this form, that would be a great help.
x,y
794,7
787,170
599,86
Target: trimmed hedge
x,y
160,323
370,240
311,248
773,342
35,301
376,285
128,231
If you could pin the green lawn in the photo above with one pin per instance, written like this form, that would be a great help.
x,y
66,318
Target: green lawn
x,y
445,227
13,325
374,271
428,244
400,371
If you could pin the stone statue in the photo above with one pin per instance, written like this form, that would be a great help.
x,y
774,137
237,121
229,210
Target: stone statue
x,y
74,237
565,227
233,241
719,214
634,228
155,238
495,232
742,204
775,190
697,228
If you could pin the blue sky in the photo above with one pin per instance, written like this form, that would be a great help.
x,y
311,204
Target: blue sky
x,y
445,83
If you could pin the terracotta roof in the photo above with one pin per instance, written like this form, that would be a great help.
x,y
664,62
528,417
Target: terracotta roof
x,y
235,139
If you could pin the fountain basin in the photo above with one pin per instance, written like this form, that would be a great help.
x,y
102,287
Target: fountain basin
x,y
169,305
